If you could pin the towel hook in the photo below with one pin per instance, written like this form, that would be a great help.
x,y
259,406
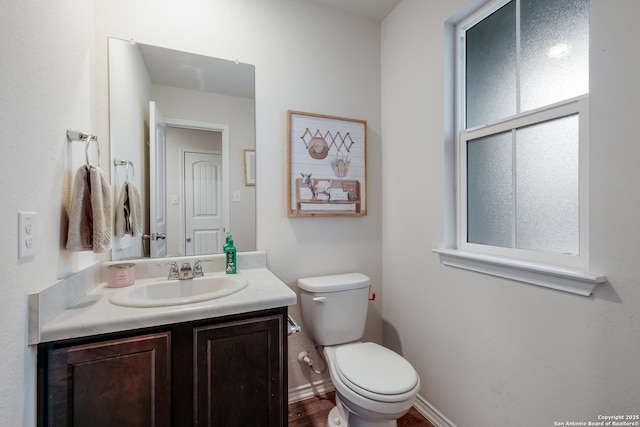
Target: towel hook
x,y
133,171
127,163
89,139
75,135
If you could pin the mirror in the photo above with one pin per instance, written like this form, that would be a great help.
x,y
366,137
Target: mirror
x,y
202,114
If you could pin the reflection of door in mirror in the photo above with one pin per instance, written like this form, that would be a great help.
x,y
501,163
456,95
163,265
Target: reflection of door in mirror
x,y
196,188
157,169
203,203
188,88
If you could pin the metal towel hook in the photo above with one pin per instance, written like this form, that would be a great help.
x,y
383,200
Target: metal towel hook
x,y
89,139
128,164
133,171
75,135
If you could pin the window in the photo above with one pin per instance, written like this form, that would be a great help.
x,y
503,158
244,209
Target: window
x,y
522,141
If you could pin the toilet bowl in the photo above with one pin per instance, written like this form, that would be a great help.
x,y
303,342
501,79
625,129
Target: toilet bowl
x,y
374,385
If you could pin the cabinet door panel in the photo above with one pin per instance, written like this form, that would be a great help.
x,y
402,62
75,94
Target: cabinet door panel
x,y
112,383
239,373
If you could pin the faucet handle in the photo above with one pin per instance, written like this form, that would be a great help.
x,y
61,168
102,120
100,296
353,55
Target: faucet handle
x,y
173,269
197,267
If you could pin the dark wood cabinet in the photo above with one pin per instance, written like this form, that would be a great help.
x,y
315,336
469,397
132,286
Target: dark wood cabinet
x,y
228,371
93,384
237,365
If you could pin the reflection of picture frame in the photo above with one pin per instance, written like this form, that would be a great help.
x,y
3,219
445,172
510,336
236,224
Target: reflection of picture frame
x,y
249,167
327,165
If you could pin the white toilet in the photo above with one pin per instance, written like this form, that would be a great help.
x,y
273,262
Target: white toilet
x,y
374,386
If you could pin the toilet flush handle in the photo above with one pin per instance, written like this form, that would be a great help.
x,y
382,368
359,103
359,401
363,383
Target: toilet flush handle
x,y
320,299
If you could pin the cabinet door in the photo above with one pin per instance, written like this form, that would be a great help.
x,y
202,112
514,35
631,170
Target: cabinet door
x,y
123,382
239,373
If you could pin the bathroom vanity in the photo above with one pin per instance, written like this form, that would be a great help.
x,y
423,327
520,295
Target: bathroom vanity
x,y
220,362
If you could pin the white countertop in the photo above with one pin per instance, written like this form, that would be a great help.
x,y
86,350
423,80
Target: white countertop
x,y
94,314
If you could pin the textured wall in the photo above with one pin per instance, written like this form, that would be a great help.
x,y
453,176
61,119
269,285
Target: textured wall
x,y
493,352
46,86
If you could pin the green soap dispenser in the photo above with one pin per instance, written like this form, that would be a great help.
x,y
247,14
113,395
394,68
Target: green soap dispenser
x,y
230,255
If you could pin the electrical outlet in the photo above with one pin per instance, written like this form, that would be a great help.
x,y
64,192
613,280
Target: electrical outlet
x,y
236,195
26,234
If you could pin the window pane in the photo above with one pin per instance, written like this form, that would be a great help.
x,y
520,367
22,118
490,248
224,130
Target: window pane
x,y
491,67
489,190
554,51
547,216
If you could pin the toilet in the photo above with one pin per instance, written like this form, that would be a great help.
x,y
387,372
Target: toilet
x,y
374,385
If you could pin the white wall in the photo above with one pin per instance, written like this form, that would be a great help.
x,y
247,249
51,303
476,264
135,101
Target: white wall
x,y
46,86
54,76
492,352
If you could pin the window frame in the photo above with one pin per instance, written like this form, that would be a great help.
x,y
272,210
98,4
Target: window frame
x,y
563,272
575,106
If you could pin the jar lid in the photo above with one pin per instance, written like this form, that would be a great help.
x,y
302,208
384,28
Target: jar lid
x,y
122,265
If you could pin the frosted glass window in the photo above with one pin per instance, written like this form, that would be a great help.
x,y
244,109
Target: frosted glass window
x,y
524,81
522,188
547,199
490,190
508,72
521,128
491,67
554,52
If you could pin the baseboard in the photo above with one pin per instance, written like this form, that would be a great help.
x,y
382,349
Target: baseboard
x,y
324,386
309,390
431,413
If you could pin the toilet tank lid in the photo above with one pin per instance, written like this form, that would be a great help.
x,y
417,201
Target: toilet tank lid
x,y
334,283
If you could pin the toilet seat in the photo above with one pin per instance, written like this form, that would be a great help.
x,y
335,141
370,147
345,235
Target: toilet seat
x,y
376,372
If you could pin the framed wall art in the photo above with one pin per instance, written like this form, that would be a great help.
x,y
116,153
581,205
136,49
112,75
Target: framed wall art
x,y
249,167
327,165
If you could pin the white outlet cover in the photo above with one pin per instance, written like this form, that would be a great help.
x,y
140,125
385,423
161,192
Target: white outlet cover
x,y
26,234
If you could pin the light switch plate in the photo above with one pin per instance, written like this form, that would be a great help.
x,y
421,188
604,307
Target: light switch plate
x,y
26,234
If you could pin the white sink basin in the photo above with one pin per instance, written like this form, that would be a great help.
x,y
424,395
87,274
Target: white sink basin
x,y
175,292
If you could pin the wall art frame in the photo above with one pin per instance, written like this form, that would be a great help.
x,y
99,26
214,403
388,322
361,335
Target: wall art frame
x,y
249,168
327,165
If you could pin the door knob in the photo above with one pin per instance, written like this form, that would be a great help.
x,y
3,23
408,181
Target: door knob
x,y
188,239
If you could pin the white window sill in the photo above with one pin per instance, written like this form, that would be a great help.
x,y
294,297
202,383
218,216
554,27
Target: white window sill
x,y
563,279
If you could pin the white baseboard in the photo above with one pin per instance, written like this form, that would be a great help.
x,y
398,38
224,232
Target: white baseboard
x,y
324,386
431,413
309,390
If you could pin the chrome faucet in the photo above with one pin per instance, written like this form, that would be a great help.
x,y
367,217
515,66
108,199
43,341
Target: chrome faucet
x,y
186,272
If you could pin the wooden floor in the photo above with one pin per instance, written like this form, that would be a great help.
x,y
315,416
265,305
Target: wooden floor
x,y
313,412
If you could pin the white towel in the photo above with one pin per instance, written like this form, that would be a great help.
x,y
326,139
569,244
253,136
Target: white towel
x,y
90,212
129,211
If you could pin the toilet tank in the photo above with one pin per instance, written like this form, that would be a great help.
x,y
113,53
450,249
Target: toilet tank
x,y
334,308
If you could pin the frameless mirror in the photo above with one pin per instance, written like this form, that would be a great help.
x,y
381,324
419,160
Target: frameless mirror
x,y
182,130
